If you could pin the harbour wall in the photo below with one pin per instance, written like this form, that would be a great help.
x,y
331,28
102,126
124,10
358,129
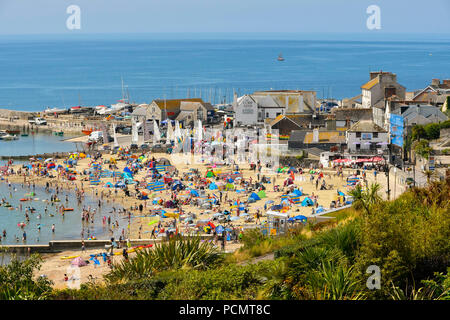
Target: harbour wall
x,y
63,245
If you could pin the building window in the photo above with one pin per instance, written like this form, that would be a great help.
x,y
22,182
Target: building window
x,y
375,135
267,114
358,146
358,134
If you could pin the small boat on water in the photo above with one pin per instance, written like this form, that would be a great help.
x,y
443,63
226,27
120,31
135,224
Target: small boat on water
x,y
87,131
4,135
280,57
10,131
58,133
9,137
24,135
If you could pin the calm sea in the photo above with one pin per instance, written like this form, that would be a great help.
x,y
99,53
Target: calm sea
x,y
39,143
69,70
66,228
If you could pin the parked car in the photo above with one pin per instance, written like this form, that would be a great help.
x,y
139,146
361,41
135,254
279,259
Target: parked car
x,y
39,121
145,146
134,147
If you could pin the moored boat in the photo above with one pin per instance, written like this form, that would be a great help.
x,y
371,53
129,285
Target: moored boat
x,y
87,131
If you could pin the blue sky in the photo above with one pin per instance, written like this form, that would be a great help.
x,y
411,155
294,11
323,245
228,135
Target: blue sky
x,y
155,16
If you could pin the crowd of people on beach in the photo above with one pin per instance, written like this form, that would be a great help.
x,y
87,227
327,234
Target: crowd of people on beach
x,y
174,196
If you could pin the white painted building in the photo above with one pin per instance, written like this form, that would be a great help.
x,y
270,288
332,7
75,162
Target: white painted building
x,y
381,86
366,136
254,109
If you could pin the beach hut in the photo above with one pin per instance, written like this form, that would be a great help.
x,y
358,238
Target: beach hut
x,y
307,202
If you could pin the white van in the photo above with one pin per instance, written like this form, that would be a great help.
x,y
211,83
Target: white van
x,y
95,135
40,121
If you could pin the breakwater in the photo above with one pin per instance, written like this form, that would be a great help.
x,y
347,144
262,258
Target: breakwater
x,y
56,246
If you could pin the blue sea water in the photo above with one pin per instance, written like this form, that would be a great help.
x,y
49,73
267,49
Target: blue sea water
x,y
66,228
65,70
38,143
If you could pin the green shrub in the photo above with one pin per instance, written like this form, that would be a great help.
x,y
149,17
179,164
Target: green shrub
x,y
17,281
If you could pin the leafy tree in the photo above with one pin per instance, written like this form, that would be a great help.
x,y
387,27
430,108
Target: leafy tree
x,y
422,148
418,132
17,281
432,131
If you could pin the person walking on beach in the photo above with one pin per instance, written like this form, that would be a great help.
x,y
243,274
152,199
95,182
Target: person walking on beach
x,y
83,248
53,228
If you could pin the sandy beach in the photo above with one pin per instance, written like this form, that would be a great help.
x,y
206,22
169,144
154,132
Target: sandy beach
x,y
54,267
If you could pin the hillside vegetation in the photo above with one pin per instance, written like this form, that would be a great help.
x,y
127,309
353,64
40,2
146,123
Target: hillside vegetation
x,y
407,239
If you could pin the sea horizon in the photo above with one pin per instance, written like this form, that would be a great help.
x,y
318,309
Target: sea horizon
x,y
70,69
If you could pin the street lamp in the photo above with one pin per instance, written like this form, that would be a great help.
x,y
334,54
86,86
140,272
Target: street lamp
x,y
386,170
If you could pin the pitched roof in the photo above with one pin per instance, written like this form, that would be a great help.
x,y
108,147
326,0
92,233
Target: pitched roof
x,y
189,105
297,136
428,112
354,114
366,126
183,115
369,85
173,104
141,110
326,137
266,101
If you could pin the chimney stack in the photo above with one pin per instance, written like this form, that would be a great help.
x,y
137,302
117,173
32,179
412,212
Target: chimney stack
x,y
435,82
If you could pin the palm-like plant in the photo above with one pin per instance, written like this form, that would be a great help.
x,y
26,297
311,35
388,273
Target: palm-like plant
x,y
366,198
429,174
335,282
178,253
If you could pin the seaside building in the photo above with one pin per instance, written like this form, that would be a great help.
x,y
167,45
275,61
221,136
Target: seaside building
x,y
435,94
419,114
162,109
366,137
254,109
382,86
287,123
343,118
190,111
325,140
